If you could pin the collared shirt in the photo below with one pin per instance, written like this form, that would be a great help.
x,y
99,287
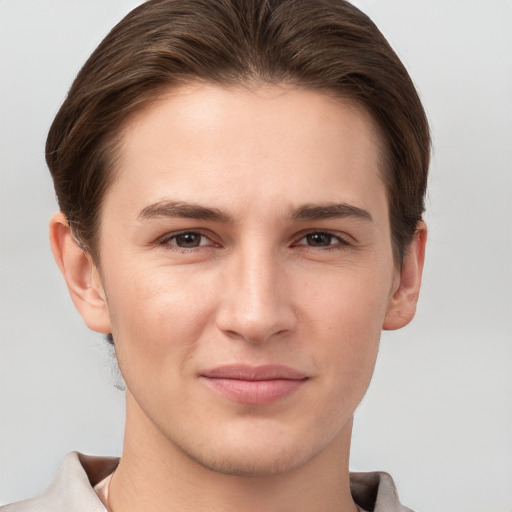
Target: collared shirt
x,y
73,489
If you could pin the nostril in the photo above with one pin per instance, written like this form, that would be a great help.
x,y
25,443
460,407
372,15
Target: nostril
x,y
256,331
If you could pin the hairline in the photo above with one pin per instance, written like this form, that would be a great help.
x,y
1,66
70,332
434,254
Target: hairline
x,y
117,138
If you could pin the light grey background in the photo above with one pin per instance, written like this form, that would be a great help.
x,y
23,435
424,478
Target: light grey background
x,y
438,415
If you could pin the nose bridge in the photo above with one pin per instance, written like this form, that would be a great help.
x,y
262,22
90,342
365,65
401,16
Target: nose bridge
x,y
257,300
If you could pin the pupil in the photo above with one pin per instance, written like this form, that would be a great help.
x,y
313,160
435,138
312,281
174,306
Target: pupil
x,y
319,239
188,240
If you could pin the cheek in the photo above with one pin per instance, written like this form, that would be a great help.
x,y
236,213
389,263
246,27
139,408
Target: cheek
x,y
156,318
347,317
349,304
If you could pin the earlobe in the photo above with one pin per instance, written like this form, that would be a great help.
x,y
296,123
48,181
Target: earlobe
x,y
402,305
81,275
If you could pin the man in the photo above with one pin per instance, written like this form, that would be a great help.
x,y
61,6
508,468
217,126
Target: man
x,y
241,192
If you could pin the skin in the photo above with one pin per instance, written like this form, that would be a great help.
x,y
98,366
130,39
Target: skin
x,y
262,277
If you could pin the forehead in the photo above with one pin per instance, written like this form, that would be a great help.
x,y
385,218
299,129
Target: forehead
x,y
279,144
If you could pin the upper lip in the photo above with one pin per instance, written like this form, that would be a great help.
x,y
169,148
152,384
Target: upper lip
x,y
255,373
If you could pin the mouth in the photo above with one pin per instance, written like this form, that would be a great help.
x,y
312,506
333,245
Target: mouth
x,y
254,385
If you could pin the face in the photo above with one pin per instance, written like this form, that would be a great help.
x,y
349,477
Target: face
x,y
247,272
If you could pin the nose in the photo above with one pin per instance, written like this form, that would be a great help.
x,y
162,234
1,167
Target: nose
x,y
257,300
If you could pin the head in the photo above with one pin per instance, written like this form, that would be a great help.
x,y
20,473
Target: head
x,y
326,45
241,185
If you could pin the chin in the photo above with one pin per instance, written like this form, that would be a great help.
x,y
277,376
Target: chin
x,y
254,462
258,453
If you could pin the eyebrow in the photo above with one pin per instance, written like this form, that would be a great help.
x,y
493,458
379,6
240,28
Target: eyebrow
x,y
304,212
330,211
183,210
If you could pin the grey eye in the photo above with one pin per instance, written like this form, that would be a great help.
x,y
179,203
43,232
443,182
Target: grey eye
x,y
319,239
188,240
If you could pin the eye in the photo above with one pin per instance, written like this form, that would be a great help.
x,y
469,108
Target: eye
x,y
187,240
322,239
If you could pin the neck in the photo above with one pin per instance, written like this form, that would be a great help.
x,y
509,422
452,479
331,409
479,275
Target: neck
x,y
155,474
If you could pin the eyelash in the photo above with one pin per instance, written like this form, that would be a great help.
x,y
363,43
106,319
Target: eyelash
x,y
341,243
167,241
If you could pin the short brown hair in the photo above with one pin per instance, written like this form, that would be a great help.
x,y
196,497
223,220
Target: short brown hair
x,y
324,45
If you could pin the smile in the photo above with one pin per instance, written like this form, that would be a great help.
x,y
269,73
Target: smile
x,y
252,385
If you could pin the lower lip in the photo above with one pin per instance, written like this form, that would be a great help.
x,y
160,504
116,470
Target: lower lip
x,y
255,392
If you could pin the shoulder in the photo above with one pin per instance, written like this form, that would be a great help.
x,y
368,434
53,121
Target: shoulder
x,y
30,505
72,489
376,491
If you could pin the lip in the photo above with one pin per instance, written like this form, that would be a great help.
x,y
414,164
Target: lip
x,y
254,385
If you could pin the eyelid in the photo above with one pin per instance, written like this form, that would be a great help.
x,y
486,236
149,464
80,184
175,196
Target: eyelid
x,y
342,238
168,237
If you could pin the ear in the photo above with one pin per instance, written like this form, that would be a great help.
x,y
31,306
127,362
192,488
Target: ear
x,y
406,288
81,275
